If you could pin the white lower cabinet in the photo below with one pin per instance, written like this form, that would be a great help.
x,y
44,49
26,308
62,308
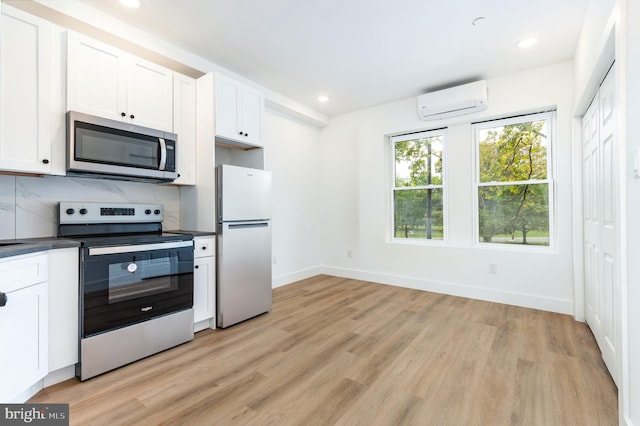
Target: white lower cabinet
x,y
63,308
23,325
204,283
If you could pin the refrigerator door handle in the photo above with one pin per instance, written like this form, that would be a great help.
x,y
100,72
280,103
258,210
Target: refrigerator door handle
x,y
248,225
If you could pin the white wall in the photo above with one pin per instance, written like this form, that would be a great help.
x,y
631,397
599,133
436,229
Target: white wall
x,y
356,177
595,50
292,155
629,47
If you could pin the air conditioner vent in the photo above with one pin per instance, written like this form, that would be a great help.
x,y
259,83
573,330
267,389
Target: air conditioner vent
x,y
452,102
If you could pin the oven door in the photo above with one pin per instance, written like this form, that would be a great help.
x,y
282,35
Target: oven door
x,y
125,285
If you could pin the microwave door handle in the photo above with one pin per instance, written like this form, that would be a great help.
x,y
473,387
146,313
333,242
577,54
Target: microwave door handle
x,y
163,153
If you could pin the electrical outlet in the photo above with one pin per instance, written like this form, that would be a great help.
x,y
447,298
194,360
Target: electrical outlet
x,y
493,268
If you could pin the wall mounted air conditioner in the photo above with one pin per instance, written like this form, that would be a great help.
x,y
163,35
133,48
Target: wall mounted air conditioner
x,y
459,100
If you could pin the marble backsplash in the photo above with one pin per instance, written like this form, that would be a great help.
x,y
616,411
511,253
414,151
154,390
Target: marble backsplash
x,y
28,204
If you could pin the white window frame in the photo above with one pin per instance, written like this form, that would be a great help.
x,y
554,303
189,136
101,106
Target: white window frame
x,y
550,116
442,132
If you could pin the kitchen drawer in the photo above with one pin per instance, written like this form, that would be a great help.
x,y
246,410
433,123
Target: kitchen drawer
x,y
204,246
22,271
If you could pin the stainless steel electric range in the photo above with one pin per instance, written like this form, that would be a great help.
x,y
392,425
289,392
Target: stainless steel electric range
x,y
136,283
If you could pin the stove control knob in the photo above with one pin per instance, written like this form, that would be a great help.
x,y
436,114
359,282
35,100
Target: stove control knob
x,y
147,211
156,211
83,211
70,211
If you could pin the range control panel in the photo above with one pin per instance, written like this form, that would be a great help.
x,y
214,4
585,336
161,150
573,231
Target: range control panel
x,y
77,212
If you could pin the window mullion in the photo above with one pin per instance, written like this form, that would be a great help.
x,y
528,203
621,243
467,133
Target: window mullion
x,y
515,182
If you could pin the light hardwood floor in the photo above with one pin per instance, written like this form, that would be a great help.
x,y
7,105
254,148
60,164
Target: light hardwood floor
x,y
348,352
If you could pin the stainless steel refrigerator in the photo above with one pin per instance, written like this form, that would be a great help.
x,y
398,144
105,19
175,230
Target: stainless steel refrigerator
x,y
243,287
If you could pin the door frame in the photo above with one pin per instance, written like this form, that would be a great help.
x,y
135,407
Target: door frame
x,y
606,57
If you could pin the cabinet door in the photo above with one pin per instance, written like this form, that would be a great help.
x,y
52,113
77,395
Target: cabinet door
x,y
23,333
203,288
150,95
25,92
184,125
227,93
63,308
110,83
96,80
239,110
252,107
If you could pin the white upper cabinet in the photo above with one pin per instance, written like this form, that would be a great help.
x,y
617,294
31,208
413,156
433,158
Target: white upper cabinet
x,y
110,83
238,112
184,125
25,92
150,95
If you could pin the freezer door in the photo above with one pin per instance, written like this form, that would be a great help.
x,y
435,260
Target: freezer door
x,y
243,194
244,271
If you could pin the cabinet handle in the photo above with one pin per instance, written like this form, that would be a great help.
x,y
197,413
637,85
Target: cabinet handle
x,y
204,247
123,114
196,267
132,116
3,299
45,161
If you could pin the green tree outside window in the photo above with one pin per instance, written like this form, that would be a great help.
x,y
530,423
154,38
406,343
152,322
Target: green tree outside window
x,y
418,186
514,184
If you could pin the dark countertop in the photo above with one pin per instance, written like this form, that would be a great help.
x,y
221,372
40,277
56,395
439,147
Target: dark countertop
x,y
17,247
194,233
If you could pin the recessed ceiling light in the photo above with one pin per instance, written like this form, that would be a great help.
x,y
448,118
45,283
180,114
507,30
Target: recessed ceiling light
x,y
133,4
528,42
478,21
323,99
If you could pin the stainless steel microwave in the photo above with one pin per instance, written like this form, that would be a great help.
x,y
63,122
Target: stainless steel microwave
x,y
99,147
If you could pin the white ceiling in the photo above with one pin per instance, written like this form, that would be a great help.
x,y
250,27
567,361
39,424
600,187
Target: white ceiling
x,y
361,52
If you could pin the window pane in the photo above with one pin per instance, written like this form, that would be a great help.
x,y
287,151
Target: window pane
x,y
418,162
418,214
515,152
514,214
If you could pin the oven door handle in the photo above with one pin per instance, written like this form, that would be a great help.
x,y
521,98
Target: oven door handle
x,y
98,251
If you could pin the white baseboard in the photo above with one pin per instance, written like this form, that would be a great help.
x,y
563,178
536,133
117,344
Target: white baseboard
x,y
50,379
60,375
28,393
284,279
204,324
563,306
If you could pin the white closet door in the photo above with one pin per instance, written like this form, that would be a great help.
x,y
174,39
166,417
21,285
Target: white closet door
x,y
601,223
591,197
